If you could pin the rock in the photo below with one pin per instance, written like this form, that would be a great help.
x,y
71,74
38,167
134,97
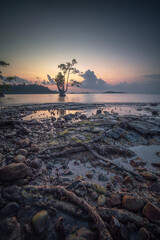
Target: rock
x,y
156,165
115,225
40,222
13,171
24,142
155,113
94,196
132,203
34,147
149,176
144,234
131,227
101,200
99,111
36,163
19,158
22,152
114,200
83,116
1,156
23,131
81,234
152,212
102,178
10,229
127,180
10,210
89,174
124,233
155,187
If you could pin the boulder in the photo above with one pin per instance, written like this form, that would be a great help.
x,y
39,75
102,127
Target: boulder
x,y
132,203
13,171
40,222
152,212
34,147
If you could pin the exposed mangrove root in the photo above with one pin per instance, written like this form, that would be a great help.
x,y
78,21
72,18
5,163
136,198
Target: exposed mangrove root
x,y
64,153
125,216
111,162
103,231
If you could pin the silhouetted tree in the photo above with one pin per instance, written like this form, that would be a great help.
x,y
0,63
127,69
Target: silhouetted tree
x,y
4,85
62,79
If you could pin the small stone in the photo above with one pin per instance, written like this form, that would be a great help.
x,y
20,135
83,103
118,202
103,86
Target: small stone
x,y
152,212
19,158
155,187
124,233
94,196
23,131
99,111
132,203
156,165
10,229
144,234
127,180
36,163
114,200
14,171
24,142
149,176
81,234
101,200
83,116
22,152
34,147
115,225
89,174
40,221
131,227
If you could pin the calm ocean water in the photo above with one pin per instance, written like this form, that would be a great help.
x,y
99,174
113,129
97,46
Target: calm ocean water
x,y
16,99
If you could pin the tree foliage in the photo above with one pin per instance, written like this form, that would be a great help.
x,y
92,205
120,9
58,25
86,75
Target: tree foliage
x,y
4,85
62,78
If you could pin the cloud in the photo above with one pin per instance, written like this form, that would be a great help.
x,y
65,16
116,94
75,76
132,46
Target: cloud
x,y
19,80
152,85
91,81
51,80
152,76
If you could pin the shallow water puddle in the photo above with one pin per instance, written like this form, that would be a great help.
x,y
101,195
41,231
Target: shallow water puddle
x,y
42,114
119,110
148,154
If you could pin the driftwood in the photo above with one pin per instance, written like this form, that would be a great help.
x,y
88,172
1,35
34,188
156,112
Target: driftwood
x,y
103,231
111,162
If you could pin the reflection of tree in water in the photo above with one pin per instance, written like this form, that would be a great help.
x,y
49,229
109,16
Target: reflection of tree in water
x,y
61,99
61,112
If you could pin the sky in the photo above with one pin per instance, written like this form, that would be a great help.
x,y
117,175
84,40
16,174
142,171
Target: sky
x,y
115,42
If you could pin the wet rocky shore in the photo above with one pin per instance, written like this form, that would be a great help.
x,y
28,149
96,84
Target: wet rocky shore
x,y
80,171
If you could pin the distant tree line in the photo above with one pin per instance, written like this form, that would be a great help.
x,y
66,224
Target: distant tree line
x,y
28,89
